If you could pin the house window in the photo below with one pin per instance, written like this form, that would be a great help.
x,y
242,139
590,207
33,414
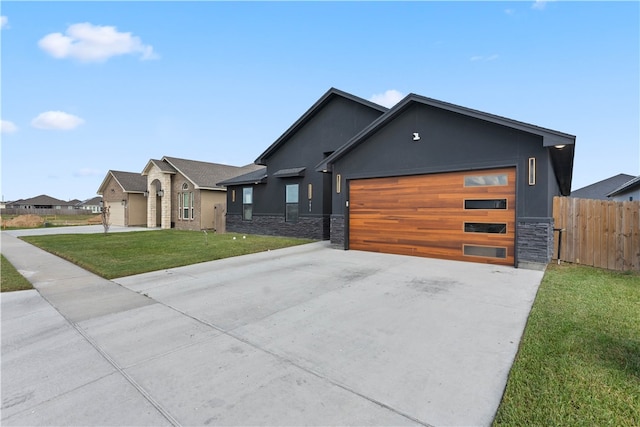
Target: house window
x,y
338,183
485,180
247,203
291,209
233,196
185,205
532,171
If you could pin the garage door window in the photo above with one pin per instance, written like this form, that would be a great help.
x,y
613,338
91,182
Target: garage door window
x,y
485,251
485,180
485,204
291,209
484,227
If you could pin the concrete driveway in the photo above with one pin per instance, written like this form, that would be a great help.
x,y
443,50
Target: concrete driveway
x,y
300,336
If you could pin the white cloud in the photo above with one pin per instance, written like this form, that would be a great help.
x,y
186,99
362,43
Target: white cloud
x,y
94,43
56,120
4,22
387,99
480,58
88,172
539,4
8,127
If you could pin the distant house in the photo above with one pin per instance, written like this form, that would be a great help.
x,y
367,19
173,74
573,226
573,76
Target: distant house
x,y
42,202
92,205
124,194
424,178
185,194
170,193
629,191
600,190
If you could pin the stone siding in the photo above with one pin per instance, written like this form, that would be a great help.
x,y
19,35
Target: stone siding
x,y
337,231
534,242
271,225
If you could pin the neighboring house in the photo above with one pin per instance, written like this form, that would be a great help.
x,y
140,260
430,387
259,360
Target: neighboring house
x,y
289,198
629,191
43,202
184,193
600,190
93,205
123,193
424,178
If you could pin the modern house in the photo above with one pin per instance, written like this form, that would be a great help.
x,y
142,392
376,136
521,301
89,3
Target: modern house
x,y
123,193
424,178
600,190
629,191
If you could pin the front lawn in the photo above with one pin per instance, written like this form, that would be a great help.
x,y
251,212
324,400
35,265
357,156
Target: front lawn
x,y
123,254
10,279
579,360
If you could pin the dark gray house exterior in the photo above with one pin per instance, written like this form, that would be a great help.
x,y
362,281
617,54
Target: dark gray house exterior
x,y
600,190
289,198
424,178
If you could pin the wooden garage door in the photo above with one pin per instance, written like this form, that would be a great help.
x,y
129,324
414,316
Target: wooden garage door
x,y
468,216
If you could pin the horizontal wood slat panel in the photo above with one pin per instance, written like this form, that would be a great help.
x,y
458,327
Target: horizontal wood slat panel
x,y
424,215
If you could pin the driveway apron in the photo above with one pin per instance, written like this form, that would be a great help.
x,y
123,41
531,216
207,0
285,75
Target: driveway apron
x,y
307,335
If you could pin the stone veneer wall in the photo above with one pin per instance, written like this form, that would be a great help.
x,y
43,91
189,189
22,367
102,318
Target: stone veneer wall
x,y
269,225
337,231
534,241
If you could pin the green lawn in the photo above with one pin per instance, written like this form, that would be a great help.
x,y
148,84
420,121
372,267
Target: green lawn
x,y
579,360
123,254
10,279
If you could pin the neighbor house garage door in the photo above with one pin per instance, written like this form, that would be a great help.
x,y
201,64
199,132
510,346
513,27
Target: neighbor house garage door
x,y
467,216
116,214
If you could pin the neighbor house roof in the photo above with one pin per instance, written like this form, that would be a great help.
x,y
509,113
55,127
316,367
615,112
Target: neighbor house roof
x,y
258,176
311,112
627,186
601,189
94,201
130,182
561,158
42,200
163,166
206,175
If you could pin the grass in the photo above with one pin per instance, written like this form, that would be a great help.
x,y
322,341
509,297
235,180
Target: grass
x,y
10,279
122,254
579,359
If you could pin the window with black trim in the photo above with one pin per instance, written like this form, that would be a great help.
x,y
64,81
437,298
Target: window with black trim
x,y
485,180
485,251
247,203
291,208
485,227
485,204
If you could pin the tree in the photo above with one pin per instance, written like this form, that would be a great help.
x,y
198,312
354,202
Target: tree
x,y
105,218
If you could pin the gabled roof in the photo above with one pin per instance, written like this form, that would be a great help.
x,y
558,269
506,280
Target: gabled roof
x,y
43,200
163,166
130,182
601,189
258,176
630,185
562,159
95,201
204,175
311,112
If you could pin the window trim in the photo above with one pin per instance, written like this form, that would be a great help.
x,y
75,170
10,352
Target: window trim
x,y
532,171
464,245
499,175
506,204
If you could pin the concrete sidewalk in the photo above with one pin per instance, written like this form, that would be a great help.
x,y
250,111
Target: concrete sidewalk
x,y
300,336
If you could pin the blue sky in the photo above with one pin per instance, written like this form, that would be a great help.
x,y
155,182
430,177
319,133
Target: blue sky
x,y
93,86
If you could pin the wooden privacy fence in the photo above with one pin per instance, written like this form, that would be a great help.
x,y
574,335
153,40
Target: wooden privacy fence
x,y
599,233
